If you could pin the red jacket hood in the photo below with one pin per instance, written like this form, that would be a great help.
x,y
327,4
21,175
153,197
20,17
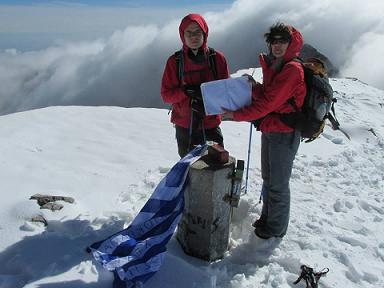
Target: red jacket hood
x,y
295,45
200,21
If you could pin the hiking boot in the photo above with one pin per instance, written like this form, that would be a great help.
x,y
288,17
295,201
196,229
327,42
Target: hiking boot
x,y
261,233
260,222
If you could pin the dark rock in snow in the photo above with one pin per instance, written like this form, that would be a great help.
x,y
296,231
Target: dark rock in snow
x,y
309,51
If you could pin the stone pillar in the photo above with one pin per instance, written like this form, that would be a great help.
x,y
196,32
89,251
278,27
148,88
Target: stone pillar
x,y
203,232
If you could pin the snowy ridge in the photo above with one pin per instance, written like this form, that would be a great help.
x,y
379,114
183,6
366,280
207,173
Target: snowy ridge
x,y
110,159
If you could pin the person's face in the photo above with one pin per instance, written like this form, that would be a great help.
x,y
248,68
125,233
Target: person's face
x,y
279,47
193,36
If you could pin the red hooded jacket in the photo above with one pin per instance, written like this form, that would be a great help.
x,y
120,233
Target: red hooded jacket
x,y
194,74
270,98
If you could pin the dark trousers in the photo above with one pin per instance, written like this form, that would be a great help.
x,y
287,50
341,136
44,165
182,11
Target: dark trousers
x,y
278,151
186,142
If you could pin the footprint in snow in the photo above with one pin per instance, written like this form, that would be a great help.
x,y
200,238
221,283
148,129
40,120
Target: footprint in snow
x,y
342,206
377,219
335,140
353,242
368,207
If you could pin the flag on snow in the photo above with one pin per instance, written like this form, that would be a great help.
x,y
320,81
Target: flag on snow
x,y
137,252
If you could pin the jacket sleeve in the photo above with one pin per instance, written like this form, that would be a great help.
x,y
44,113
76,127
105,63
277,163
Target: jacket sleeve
x,y
267,99
171,92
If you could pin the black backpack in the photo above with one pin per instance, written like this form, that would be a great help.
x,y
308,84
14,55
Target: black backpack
x,y
179,56
318,102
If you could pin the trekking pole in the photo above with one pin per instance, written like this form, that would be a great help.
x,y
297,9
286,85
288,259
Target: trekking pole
x,y
249,156
249,149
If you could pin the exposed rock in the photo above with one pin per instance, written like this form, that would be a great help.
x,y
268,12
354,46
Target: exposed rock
x,y
40,219
44,199
309,51
49,201
53,206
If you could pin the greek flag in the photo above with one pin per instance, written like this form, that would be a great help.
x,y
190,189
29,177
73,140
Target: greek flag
x,y
137,252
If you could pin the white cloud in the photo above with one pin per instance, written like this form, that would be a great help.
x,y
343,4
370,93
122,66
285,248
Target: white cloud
x,y
125,68
366,61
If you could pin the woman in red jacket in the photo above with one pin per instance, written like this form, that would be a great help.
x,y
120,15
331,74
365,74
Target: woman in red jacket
x,y
282,91
193,127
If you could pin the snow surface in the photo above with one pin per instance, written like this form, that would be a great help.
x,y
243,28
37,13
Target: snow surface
x,y
110,160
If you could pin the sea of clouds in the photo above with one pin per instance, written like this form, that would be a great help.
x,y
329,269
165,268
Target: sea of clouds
x,y
123,66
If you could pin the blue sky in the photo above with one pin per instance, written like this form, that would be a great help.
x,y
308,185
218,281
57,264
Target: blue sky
x,y
36,24
135,3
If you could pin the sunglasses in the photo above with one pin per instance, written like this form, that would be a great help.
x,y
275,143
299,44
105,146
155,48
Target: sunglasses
x,y
279,41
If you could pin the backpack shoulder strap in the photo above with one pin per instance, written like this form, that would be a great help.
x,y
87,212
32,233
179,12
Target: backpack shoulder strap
x,y
297,59
301,61
291,101
212,61
179,57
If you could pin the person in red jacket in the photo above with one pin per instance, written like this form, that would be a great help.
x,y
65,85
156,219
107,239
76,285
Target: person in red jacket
x,y
282,91
193,127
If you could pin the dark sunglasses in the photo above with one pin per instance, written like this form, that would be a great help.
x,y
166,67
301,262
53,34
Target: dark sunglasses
x,y
279,41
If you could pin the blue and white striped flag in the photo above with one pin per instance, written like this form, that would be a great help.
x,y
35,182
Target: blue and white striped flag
x,y
137,252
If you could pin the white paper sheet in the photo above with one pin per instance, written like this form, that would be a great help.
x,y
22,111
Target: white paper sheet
x,y
227,94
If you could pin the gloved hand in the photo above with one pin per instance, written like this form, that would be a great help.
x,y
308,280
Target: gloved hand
x,y
198,113
193,91
198,109
250,79
227,116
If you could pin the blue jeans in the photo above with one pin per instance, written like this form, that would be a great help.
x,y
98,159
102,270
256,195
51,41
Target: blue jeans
x,y
278,151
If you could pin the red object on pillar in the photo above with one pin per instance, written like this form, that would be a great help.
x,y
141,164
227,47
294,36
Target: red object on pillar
x,y
218,153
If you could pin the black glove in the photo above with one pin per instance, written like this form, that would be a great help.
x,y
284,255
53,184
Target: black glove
x,y
197,106
250,79
193,91
198,113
